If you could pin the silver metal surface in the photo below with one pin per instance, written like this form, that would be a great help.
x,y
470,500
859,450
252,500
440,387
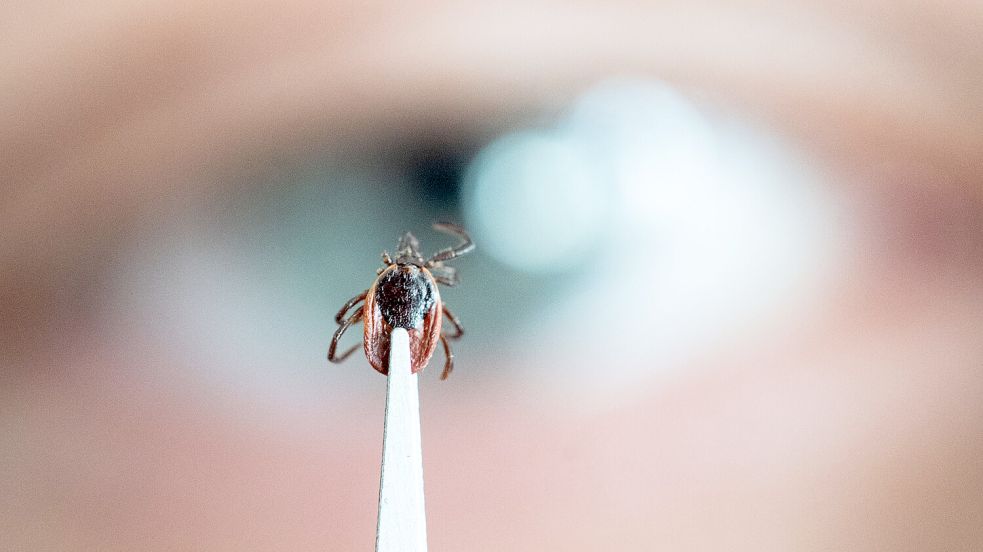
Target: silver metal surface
x,y
402,523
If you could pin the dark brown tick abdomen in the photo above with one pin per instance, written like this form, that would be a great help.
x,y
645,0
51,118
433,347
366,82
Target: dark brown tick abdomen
x,y
405,296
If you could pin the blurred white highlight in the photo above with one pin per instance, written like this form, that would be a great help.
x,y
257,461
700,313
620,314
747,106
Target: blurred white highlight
x,y
712,225
536,201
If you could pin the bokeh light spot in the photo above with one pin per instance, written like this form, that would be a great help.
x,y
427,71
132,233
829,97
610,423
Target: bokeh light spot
x,y
535,202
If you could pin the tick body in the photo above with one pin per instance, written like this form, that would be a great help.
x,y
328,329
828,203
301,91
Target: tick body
x,y
405,295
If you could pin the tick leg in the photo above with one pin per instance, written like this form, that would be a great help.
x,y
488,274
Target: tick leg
x,y
446,280
351,303
449,364
337,336
458,329
449,253
445,275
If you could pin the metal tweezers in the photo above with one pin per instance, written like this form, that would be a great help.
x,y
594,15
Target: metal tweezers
x,y
402,522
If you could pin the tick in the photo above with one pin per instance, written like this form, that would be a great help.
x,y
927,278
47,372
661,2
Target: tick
x,y
405,295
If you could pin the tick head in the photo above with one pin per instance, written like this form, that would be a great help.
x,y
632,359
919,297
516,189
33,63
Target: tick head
x,y
408,250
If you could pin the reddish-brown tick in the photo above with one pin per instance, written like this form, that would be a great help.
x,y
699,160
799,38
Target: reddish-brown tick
x,y
405,295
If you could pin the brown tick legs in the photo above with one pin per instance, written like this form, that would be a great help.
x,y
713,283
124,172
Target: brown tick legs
x,y
351,303
337,336
445,275
458,329
466,245
449,364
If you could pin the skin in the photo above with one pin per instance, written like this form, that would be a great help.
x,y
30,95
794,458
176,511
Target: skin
x,y
851,425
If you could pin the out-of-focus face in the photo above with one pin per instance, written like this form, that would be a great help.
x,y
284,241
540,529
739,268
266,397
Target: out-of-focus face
x,y
726,293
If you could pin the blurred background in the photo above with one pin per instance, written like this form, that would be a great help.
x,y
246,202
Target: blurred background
x,y
727,290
